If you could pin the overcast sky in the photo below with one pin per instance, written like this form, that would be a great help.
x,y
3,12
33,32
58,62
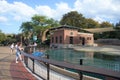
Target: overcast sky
x,y
14,12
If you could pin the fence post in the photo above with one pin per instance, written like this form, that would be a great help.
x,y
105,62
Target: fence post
x,y
33,65
26,61
48,69
80,73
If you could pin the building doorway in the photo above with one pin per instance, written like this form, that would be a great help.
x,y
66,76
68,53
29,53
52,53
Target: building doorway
x,y
71,40
83,41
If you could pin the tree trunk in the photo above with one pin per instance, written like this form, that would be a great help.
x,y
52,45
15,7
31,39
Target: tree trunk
x,y
44,35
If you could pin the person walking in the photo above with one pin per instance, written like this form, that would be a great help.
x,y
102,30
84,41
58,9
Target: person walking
x,y
18,49
12,48
34,45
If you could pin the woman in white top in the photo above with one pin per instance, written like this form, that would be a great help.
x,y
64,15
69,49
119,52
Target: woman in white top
x,y
12,48
18,49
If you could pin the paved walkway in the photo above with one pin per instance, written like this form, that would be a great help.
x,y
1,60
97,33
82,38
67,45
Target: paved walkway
x,y
9,70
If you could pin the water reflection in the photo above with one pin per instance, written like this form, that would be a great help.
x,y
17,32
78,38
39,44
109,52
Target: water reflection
x,y
96,59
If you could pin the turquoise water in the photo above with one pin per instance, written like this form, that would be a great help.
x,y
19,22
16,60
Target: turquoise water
x,y
95,59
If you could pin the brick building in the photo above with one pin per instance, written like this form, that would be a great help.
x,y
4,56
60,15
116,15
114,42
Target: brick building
x,y
66,36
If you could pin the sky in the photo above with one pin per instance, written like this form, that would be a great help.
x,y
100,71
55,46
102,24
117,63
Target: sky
x,y
14,12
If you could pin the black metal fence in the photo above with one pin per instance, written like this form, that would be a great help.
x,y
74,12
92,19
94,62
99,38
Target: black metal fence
x,y
107,74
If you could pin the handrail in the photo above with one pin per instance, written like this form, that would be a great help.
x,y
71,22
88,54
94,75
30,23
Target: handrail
x,y
82,68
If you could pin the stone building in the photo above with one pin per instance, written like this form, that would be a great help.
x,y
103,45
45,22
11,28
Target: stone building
x,y
65,36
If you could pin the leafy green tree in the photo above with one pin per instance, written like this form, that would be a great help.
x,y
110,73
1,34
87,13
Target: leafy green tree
x,y
42,24
73,18
38,26
90,23
8,39
106,24
27,29
2,37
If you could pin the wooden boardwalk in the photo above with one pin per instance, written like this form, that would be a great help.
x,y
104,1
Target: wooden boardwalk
x,y
9,70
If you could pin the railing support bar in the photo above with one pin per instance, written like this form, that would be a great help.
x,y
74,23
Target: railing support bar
x,y
33,65
80,73
48,69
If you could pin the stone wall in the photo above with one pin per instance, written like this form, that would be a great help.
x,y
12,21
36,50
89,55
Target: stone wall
x,y
108,41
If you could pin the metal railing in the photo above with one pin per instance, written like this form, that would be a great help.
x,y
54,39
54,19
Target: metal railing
x,y
108,74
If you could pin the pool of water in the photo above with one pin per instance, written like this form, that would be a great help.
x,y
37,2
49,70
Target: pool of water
x,y
96,59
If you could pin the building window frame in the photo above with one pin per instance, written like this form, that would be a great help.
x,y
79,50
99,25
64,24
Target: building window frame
x,y
60,39
52,39
56,39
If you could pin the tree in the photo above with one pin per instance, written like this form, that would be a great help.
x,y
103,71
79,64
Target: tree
x,y
118,24
8,39
73,18
90,23
38,26
41,25
2,37
27,29
105,24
